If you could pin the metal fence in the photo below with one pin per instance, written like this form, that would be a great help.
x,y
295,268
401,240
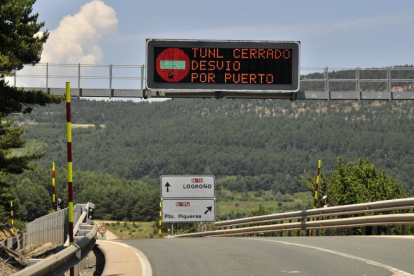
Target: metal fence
x,y
52,228
91,80
84,72
396,79
393,83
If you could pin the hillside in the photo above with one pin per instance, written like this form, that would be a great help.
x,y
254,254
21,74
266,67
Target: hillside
x,y
265,144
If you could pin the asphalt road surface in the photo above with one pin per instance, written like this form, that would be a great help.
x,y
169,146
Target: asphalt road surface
x,y
279,256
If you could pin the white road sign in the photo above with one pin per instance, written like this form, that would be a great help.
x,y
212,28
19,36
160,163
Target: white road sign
x,y
188,210
102,229
187,186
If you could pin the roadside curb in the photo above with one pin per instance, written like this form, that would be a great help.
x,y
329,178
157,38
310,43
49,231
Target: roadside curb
x,y
145,264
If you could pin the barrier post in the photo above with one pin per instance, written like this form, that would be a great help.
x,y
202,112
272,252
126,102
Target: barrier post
x,y
12,218
70,180
53,189
316,189
160,219
290,232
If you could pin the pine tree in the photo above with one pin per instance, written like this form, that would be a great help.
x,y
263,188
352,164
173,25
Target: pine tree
x,y
355,183
20,44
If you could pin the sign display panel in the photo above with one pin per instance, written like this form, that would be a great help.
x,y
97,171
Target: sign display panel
x,y
245,66
188,210
184,186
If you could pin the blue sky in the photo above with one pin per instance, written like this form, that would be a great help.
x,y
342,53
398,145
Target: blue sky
x,y
333,33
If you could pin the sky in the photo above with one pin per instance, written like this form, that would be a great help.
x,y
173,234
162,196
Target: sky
x,y
332,33
363,33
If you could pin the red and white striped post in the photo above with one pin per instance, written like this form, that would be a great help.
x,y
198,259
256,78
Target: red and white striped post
x,y
316,189
53,189
70,180
12,217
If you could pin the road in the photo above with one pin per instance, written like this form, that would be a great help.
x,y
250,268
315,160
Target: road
x,y
374,256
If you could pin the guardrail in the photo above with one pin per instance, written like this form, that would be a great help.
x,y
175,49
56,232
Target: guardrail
x,y
323,218
41,231
61,262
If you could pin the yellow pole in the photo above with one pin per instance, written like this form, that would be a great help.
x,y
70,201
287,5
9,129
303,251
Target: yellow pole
x,y
317,184
159,229
316,190
69,144
54,191
12,218
70,181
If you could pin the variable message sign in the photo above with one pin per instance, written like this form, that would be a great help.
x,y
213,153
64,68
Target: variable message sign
x,y
238,66
187,186
188,210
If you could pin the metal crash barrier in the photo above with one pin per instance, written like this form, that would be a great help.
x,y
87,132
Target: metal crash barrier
x,y
41,231
321,218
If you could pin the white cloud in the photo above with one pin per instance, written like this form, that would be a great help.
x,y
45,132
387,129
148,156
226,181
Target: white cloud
x,y
76,39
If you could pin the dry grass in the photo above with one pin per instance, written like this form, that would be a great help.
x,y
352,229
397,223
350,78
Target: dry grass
x,y
131,230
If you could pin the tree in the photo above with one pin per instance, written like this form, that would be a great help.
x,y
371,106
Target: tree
x,y
356,183
260,211
33,200
20,43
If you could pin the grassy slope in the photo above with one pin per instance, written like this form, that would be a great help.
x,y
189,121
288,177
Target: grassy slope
x,y
131,230
244,206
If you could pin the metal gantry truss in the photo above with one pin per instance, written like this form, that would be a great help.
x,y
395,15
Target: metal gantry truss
x,y
392,83
382,84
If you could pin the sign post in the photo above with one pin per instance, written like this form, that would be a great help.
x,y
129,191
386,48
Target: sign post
x,y
102,231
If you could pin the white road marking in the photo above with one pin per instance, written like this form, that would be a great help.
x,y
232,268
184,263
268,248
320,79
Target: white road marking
x,y
395,271
146,266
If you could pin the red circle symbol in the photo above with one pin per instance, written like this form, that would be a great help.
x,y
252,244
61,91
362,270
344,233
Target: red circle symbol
x,y
173,64
102,230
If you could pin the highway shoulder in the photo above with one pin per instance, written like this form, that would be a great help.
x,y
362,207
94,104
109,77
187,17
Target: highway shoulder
x,y
122,259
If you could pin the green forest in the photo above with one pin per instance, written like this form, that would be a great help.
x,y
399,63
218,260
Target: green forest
x,y
115,198
267,144
120,149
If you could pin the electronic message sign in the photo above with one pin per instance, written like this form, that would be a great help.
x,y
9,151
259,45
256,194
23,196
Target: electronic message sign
x,y
239,66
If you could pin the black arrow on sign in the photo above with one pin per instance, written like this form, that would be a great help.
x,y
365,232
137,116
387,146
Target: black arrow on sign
x,y
168,186
208,209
